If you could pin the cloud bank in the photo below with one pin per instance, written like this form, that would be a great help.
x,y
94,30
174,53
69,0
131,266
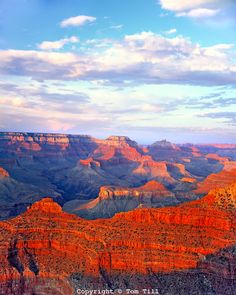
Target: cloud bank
x,y
54,45
144,58
197,8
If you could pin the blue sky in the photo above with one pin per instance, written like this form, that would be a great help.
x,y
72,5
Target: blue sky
x,y
147,69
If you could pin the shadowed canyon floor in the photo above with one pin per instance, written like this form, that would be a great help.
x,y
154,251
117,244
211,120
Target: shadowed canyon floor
x,y
186,249
79,171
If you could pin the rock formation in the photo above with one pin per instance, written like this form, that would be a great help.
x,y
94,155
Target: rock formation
x,y
3,173
216,180
112,200
73,168
186,249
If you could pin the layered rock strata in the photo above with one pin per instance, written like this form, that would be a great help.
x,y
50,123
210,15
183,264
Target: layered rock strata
x,y
142,248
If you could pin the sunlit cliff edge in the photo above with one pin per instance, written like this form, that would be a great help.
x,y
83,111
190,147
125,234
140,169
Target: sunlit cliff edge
x,y
143,247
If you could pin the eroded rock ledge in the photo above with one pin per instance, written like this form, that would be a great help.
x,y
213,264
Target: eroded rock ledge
x,y
151,246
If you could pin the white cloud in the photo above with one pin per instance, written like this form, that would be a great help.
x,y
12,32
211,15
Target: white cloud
x,y
144,58
79,20
183,5
219,50
36,105
117,27
199,13
56,125
13,101
54,45
171,31
196,8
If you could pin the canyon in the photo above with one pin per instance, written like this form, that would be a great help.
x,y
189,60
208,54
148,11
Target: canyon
x,y
76,170
84,213
184,249
112,199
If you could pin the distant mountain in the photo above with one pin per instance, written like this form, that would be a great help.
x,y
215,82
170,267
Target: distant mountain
x,y
185,249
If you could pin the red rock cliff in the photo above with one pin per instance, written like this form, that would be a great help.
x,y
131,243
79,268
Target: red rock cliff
x,y
45,242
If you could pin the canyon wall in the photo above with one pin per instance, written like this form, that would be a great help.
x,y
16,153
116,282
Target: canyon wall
x,y
144,247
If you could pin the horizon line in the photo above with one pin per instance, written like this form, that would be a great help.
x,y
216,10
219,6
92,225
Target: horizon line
x,y
102,138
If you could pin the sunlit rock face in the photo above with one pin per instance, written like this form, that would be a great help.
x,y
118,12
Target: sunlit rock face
x,y
216,180
140,248
3,173
73,168
112,199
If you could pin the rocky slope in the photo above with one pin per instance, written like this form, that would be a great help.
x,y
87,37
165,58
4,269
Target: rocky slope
x,y
75,167
216,180
112,200
15,196
224,150
3,173
187,249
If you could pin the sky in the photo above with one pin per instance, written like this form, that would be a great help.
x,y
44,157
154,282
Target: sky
x,y
147,69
